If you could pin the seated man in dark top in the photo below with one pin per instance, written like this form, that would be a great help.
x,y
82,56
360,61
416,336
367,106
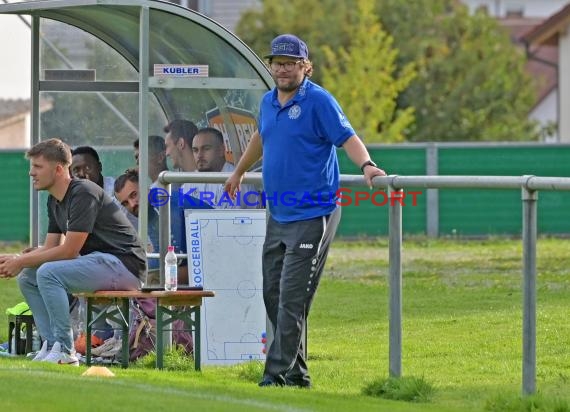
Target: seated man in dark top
x,y
127,193
85,164
90,246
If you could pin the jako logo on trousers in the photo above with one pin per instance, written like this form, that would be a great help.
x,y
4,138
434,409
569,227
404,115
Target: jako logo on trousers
x,y
305,246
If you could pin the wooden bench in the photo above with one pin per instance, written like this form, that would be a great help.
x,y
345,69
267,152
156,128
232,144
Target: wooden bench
x,y
184,304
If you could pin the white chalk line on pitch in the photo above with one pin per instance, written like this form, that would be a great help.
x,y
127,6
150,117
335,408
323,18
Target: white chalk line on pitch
x,y
179,392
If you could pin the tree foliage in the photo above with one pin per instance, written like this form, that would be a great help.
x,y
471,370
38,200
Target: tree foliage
x,y
470,85
369,59
324,22
471,82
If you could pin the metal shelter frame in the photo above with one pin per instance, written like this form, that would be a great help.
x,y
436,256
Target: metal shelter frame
x,y
126,26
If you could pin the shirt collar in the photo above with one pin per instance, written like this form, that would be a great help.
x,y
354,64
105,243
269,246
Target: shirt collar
x,y
300,95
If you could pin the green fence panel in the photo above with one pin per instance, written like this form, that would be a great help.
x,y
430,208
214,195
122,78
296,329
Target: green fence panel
x,y
15,204
461,211
366,219
483,212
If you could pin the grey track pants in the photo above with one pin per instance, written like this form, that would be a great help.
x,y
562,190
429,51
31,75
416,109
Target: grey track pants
x,y
294,256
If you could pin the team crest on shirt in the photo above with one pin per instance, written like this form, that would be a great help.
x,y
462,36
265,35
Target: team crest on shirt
x,y
294,112
344,121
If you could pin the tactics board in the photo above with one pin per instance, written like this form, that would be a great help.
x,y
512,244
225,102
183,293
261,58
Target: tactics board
x,y
224,255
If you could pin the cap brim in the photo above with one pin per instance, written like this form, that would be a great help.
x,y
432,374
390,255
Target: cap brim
x,y
269,56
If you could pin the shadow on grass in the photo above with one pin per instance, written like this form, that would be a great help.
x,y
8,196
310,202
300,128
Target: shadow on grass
x,y
410,389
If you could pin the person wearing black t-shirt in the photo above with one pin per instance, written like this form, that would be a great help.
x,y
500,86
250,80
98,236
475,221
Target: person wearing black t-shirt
x,y
90,246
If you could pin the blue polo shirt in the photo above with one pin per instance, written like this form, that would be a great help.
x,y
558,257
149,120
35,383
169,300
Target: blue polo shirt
x,y
300,166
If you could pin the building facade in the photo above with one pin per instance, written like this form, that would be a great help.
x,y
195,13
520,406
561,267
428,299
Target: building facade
x,y
225,12
517,8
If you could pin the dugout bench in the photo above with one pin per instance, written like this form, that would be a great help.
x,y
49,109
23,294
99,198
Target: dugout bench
x,y
170,306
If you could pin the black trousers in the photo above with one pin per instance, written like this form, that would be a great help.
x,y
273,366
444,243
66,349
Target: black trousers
x,y
294,256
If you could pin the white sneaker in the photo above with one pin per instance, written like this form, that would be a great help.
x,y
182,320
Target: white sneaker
x,y
42,353
62,358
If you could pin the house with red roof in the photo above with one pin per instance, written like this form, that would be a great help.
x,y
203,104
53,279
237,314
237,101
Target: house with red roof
x,y
548,44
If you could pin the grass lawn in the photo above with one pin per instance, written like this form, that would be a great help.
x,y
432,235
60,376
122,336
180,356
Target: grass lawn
x,y
462,335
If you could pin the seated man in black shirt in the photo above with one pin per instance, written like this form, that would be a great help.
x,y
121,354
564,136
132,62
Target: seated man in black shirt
x,y
90,246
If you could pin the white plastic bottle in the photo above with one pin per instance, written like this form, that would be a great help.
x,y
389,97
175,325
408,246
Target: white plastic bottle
x,y
170,270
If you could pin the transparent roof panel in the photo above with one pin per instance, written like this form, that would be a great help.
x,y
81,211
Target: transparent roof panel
x,y
177,35
97,119
191,43
65,47
114,24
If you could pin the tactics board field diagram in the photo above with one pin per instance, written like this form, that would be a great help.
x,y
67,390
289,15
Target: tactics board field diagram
x,y
224,255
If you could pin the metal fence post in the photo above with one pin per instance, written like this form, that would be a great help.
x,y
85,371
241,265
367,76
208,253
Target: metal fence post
x,y
395,281
529,204
432,197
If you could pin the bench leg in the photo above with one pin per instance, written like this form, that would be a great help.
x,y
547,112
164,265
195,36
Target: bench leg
x,y
29,336
125,326
11,328
185,314
123,318
191,318
159,337
88,332
197,345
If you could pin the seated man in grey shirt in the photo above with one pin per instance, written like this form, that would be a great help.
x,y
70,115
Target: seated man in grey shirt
x,y
90,245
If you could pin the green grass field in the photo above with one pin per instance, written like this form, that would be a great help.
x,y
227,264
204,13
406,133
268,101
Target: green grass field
x,y
462,335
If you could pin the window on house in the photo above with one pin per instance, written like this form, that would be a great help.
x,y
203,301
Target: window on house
x,y
513,10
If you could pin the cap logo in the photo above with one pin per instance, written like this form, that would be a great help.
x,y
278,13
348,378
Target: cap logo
x,y
288,45
284,48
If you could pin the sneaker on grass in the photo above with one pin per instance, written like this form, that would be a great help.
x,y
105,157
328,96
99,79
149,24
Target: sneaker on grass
x,y
60,357
42,353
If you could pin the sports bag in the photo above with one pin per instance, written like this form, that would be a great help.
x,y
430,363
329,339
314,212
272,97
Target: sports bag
x,y
142,336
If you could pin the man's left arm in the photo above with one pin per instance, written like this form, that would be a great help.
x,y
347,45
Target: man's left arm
x,y
69,249
359,155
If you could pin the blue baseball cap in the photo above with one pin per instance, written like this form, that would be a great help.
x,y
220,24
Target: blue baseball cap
x,y
288,45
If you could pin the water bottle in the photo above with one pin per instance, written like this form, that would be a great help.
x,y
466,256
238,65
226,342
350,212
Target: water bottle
x,y
170,270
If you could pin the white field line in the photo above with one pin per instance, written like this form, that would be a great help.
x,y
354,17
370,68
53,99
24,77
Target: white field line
x,y
169,391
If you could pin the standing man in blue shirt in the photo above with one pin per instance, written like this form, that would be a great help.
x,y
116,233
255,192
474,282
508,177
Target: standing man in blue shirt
x,y
300,126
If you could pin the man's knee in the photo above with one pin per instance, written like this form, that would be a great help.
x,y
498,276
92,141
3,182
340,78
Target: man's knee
x,y
26,278
23,280
48,270
44,269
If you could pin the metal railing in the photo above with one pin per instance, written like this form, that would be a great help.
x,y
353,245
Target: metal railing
x,y
529,186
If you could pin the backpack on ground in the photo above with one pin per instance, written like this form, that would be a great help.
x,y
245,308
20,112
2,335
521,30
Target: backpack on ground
x,y
142,336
